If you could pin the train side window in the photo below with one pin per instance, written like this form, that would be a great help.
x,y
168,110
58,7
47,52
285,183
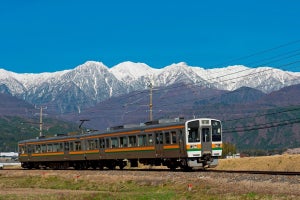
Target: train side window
x,y
123,141
23,149
77,145
114,142
44,148
30,148
38,148
142,140
49,148
55,147
71,146
102,143
132,141
174,138
61,147
96,143
66,146
150,139
108,143
88,145
159,138
167,138
91,145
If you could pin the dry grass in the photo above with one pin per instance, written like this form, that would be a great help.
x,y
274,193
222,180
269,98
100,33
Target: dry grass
x,y
289,163
144,184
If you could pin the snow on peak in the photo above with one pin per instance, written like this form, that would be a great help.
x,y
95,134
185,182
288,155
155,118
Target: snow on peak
x,y
177,66
6,74
132,70
88,65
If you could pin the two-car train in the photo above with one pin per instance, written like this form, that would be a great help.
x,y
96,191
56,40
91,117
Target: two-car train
x,y
195,143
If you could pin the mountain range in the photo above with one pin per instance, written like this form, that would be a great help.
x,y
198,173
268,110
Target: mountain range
x,y
259,107
93,82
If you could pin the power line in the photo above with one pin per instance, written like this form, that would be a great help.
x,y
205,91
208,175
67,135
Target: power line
x,y
257,53
251,74
265,126
266,114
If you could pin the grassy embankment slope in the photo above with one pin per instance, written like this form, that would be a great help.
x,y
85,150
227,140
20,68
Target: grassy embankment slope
x,y
265,163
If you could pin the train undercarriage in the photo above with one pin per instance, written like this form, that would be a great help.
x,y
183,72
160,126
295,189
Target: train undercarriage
x,y
171,163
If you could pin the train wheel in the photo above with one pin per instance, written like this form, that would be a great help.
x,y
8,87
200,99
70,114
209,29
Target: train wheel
x,y
185,167
111,167
172,168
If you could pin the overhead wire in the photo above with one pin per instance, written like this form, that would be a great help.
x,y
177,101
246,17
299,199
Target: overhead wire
x,y
257,53
262,126
230,79
124,97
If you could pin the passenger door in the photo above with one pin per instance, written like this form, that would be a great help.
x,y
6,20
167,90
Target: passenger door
x,y
182,144
66,150
206,140
159,144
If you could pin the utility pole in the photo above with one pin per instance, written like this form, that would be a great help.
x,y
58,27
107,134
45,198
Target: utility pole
x,y
41,119
150,103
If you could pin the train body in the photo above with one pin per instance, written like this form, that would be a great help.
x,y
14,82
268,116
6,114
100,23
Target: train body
x,y
195,143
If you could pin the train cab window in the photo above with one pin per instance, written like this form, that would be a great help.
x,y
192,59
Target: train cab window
x,y
167,138
114,142
44,148
150,139
205,135
174,138
132,141
216,131
193,135
142,140
123,141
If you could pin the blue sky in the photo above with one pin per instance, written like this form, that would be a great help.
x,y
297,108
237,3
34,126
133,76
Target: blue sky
x,y
51,35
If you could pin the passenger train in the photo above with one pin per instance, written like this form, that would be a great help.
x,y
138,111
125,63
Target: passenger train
x,y
188,144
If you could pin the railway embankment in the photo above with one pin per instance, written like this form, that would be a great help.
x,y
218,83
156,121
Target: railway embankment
x,y
286,162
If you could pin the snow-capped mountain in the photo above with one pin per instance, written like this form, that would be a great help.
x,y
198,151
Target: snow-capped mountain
x,y
93,82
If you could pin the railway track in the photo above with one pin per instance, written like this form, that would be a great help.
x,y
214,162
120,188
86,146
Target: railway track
x,y
283,173
257,172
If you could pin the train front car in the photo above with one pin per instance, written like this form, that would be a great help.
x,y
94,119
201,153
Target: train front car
x,y
203,142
